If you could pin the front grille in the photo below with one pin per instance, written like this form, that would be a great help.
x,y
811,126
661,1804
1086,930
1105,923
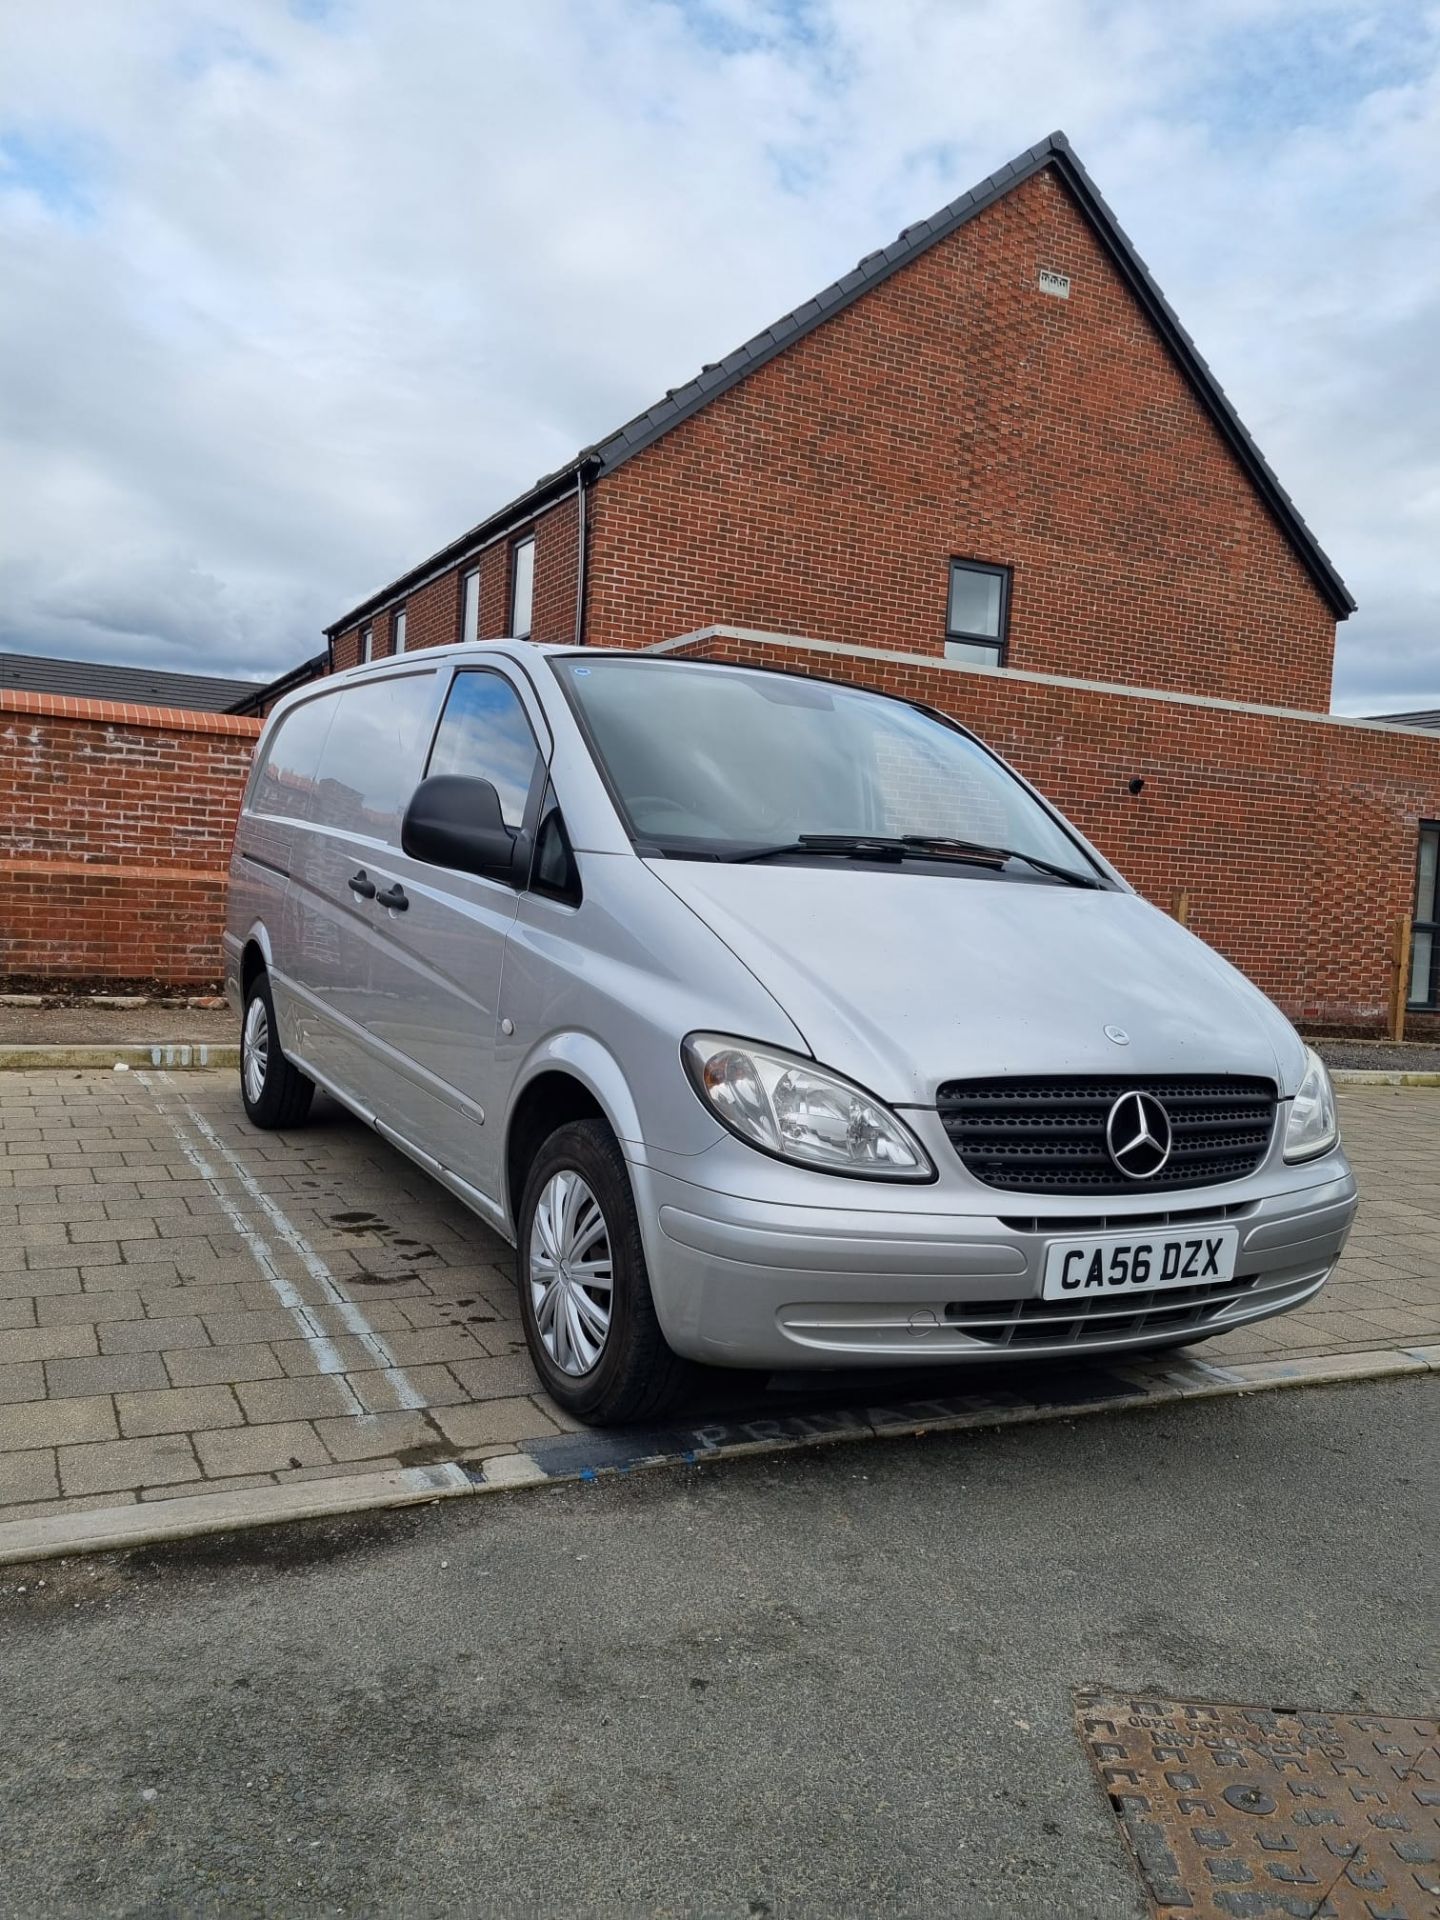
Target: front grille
x,y
1048,1135
1164,1311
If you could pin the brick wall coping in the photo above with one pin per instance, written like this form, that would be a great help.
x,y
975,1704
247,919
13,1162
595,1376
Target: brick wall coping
x,y
798,643
123,713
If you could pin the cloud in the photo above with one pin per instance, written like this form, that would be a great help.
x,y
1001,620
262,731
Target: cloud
x,y
294,293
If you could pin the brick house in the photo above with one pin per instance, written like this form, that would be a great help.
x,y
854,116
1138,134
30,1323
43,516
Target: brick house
x,y
988,468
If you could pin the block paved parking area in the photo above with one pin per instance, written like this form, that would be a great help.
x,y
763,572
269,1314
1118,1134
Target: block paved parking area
x,y
188,1305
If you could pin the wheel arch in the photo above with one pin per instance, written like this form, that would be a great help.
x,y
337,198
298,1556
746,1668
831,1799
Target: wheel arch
x,y
255,956
573,1077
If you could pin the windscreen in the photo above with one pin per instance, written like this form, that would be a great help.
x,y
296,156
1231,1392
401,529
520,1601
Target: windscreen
x,y
714,761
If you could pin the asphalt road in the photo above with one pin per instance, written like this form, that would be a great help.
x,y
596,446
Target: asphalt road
x,y
828,1684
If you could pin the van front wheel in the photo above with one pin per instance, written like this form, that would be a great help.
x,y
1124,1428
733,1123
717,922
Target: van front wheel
x,y
584,1290
276,1093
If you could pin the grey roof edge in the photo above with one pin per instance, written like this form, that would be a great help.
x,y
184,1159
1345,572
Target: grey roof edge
x,y
119,680
1427,719
283,683
681,403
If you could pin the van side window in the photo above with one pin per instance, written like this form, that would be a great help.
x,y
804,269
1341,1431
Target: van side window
x,y
285,782
370,765
485,735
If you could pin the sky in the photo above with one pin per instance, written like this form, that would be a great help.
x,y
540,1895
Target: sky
x,y
294,291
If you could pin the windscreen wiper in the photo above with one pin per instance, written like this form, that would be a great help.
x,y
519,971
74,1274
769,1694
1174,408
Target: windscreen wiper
x,y
956,849
919,846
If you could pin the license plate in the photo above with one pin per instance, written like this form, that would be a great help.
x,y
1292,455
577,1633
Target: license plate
x,y
1127,1263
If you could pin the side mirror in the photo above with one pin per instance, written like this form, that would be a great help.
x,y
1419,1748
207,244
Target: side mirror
x,y
457,823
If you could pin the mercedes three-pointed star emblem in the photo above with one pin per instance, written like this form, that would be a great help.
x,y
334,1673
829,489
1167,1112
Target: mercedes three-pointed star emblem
x,y
1138,1135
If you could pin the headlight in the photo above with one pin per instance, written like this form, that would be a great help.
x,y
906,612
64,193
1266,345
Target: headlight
x,y
1313,1126
790,1107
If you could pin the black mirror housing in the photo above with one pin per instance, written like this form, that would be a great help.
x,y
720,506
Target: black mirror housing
x,y
456,822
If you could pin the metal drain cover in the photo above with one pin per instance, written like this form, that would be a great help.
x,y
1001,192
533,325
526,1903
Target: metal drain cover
x,y
1254,1812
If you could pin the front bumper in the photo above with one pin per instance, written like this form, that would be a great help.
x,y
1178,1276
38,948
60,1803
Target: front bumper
x,y
748,1281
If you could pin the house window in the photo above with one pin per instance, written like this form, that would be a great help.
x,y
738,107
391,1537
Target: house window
x,y
978,614
522,586
1425,937
398,629
367,643
470,605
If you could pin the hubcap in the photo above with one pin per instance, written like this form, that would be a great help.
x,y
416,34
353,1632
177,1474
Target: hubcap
x,y
255,1049
571,1277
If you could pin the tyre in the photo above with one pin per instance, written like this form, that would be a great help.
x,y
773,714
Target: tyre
x,y
276,1094
584,1290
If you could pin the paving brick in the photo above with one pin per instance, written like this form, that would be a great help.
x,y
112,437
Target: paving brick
x,y
436,1343
209,1366
117,1464
32,1286
106,1373
45,1343
153,1336
381,1434
341,1469
249,1329
15,1314
80,1309
384,1390
260,1449
475,1426
48,1509
23,1382
234,1483
26,1477
85,1231
495,1379
381,1316
299,1399
53,1423
176,1410
171,1250
355,1355
178,1297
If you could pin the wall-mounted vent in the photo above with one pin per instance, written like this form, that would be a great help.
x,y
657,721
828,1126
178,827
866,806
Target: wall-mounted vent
x,y
1056,283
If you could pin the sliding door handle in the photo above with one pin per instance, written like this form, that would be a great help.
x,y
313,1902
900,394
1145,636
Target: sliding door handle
x,y
362,884
394,898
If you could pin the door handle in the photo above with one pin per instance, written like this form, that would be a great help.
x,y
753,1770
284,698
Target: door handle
x,y
362,884
394,898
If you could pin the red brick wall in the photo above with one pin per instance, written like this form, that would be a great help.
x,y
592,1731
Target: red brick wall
x,y
957,411
1295,838
553,621
115,830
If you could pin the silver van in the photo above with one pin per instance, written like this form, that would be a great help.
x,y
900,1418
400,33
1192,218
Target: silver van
x,y
777,1023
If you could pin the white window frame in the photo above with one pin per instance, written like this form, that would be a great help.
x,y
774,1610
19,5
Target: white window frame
x,y
470,605
398,624
516,630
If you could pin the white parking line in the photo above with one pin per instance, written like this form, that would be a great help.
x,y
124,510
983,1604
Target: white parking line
x,y
327,1359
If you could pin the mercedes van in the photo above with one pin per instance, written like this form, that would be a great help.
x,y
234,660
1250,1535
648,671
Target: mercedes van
x,y
777,1023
